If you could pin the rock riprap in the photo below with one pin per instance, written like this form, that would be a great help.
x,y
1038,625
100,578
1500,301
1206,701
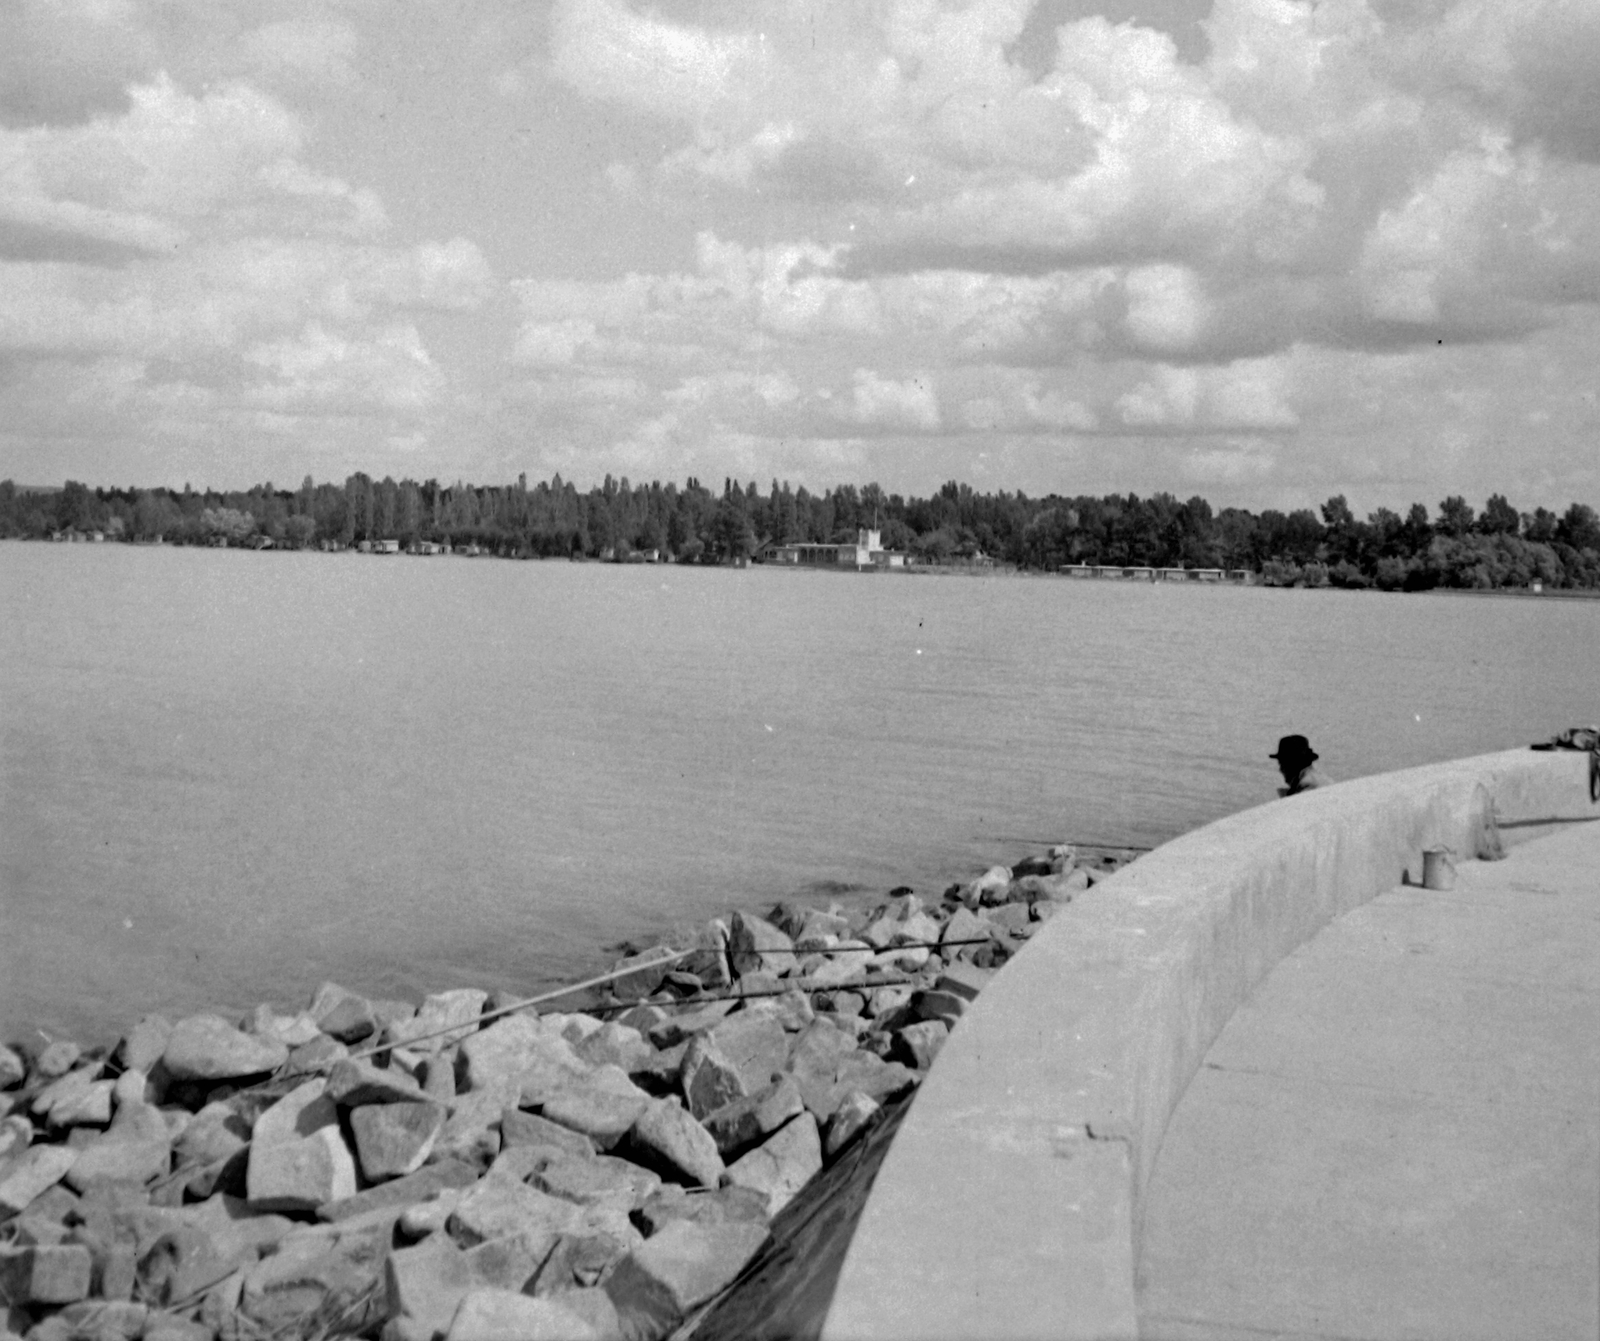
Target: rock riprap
x,y
372,1168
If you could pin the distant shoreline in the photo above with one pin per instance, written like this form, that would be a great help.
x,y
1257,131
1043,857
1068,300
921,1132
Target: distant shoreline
x,y
1254,579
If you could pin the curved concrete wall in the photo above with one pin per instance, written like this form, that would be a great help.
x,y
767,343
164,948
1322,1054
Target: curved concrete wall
x,y
1008,1205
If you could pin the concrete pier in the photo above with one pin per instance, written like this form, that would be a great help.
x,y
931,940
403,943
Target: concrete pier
x,y
1397,1135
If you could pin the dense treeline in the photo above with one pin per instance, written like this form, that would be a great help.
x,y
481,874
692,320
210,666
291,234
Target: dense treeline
x,y
1458,547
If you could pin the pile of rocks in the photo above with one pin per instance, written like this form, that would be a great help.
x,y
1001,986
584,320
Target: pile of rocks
x,y
372,1168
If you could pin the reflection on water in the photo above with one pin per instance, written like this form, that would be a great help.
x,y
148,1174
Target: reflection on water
x,y
227,776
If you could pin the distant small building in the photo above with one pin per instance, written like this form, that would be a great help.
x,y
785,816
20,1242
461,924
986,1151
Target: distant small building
x,y
866,552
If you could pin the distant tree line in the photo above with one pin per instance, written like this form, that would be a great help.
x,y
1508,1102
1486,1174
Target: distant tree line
x,y
1456,547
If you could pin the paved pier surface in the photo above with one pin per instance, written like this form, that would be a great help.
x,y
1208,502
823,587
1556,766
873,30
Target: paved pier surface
x,y
1398,1134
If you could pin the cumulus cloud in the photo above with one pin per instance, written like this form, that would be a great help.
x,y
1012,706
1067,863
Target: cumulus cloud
x,y
186,243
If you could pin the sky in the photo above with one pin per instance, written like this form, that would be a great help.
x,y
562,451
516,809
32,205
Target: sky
x,y
1259,250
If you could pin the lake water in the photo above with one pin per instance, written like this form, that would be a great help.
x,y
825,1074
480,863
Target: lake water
x,y
227,776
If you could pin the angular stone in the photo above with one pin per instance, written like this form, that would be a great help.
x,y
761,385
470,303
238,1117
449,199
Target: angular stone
x,y
964,925
136,1148
355,1084
871,1075
426,1282
497,1206
507,1264
89,1106
301,1174
746,1122
13,1069
393,1139
918,1044
312,1274
964,980
849,961
437,1076
996,878
884,1000
443,1019
755,944
716,1206
207,1047
528,1129
427,1182
217,1131
57,1059
57,1274
302,1111
709,959
709,1079
588,1182
351,1020
649,968
472,1131
677,1028
489,1314
945,1006
316,1055
16,1135
182,1261
603,1106
615,1045
63,1090
660,1281
787,1161
519,1047
33,1171
671,1139
855,1113
580,1261
142,1046
293,1031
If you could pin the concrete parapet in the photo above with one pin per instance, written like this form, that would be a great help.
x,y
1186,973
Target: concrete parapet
x,y
1009,1203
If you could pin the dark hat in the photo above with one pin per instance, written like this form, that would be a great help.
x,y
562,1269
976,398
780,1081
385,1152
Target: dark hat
x,y
1293,749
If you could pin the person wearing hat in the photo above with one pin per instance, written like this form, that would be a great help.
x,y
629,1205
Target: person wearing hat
x,y
1296,760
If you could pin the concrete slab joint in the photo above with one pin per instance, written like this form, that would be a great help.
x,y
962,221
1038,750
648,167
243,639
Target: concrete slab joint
x,y
1098,1026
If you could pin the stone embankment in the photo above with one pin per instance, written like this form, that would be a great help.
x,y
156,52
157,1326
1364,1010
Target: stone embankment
x,y
470,1168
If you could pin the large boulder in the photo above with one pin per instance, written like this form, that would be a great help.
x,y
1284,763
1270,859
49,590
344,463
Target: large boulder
x,y
603,1106
660,1281
207,1047
141,1047
393,1139
529,1129
45,1273
596,1179
670,1138
30,1173
355,1084
709,1079
298,1159
615,1045
756,945
685,1025
136,1148
783,1165
443,1019
520,1048
746,1122
498,1206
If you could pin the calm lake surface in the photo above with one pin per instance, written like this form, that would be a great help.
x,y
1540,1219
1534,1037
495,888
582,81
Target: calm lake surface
x,y
227,776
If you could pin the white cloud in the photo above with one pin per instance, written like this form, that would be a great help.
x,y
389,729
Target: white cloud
x,y
883,402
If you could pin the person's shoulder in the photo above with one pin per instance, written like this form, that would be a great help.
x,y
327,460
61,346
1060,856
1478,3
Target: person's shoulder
x,y
1312,778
